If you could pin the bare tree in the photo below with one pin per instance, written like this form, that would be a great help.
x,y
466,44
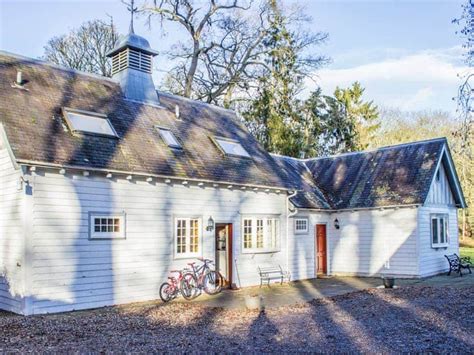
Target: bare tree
x,y
225,53
465,99
84,48
196,21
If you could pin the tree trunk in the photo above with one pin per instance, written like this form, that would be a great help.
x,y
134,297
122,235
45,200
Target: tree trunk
x,y
228,96
192,70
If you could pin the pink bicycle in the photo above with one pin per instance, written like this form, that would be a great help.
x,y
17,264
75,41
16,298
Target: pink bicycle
x,y
180,284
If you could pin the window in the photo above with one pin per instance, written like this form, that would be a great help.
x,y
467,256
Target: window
x,y
301,225
188,236
231,147
169,138
89,122
439,230
437,175
260,234
107,226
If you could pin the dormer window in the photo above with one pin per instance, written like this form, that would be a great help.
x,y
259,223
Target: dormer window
x,y
89,122
231,147
169,138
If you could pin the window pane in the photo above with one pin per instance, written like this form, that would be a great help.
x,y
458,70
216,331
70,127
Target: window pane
x,y
107,227
276,233
232,148
194,237
434,230
442,232
301,225
169,138
247,233
90,124
181,236
259,231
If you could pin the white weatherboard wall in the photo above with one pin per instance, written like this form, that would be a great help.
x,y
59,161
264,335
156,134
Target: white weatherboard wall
x,y
72,272
440,193
11,236
302,248
439,201
374,242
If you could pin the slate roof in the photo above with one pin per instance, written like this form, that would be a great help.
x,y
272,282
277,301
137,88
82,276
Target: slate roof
x,y
37,131
388,176
309,194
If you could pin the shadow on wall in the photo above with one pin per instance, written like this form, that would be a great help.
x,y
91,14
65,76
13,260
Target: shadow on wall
x,y
74,272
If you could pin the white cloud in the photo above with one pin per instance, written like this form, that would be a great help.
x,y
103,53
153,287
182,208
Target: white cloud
x,y
422,80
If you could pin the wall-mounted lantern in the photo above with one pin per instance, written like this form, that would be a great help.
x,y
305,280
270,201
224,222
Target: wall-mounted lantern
x,y
210,224
336,224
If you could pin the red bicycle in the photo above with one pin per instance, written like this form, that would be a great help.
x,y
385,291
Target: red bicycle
x,y
180,284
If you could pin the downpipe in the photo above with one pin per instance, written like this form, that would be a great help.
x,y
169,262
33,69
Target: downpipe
x,y
289,214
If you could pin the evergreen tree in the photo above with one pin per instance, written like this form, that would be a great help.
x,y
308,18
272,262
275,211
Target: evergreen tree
x,y
361,117
273,116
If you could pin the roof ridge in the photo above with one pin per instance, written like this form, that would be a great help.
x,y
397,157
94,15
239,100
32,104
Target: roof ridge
x,y
424,141
195,101
56,66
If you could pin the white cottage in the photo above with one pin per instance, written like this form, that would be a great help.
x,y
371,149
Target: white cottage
x,y
106,185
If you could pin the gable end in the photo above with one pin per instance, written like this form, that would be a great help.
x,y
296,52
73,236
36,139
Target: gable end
x,y
445,187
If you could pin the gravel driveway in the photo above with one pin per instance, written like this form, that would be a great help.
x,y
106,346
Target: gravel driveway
x,y
408,319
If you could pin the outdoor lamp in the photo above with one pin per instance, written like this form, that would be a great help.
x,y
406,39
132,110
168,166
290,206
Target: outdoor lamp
x,y
336,224
210,224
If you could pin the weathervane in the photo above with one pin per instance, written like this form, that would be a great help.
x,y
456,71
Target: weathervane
x,y
132,10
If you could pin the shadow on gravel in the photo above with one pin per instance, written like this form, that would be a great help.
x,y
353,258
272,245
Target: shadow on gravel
x,y
410,319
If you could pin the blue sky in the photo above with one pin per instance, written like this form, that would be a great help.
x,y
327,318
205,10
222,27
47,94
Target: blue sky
x,y
405,53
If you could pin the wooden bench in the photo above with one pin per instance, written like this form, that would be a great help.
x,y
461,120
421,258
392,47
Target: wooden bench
x,y
456,264
269,273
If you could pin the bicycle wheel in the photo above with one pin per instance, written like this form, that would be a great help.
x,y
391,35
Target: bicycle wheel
x,y
166,292
188,286
213,282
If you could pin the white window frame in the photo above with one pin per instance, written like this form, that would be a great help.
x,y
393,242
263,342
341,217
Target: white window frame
x,y
438,217
162,130
94,115
187,254
218,140
256,238
95,235
301,231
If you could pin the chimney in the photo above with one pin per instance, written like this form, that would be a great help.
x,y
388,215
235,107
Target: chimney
x,y
132,63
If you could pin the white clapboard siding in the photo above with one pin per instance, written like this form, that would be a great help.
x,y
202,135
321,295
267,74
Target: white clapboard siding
x,y
11,236
70,271
374,242
440,191
302,264
432,260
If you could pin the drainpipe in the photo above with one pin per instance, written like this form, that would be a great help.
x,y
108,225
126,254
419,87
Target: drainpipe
x,y
288,215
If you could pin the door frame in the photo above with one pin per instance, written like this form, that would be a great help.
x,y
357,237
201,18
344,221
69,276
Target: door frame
x,y
230,249
316,272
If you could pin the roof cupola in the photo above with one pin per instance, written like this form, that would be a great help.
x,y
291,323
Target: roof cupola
x,y
132,63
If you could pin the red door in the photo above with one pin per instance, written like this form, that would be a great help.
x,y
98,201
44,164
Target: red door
x,y
321,254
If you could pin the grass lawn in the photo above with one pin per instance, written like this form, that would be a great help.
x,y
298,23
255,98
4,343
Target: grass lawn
x,y
465,251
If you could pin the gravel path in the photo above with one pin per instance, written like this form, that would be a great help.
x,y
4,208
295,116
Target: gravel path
x,y
408,319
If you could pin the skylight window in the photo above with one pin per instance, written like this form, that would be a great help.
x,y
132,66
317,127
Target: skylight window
x,y
169,138
89,123
231,147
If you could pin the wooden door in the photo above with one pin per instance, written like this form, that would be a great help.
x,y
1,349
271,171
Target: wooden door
x,y
224,251
321,249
